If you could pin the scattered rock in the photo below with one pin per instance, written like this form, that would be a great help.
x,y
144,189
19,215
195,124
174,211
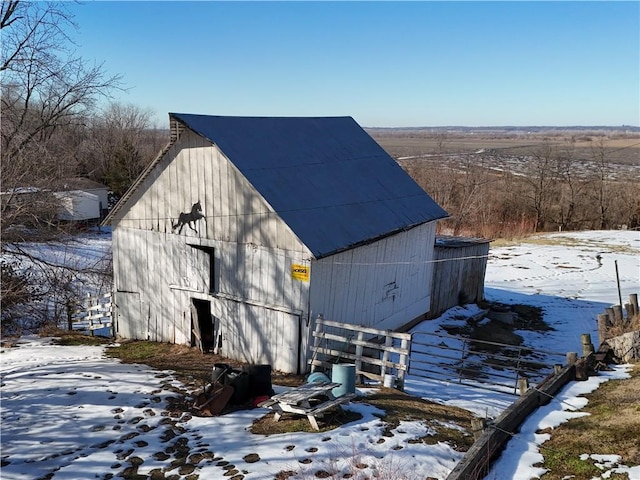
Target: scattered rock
x,y
251,458
186,469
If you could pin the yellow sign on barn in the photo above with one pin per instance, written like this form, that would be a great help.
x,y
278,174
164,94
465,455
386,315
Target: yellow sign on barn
x,y
300,272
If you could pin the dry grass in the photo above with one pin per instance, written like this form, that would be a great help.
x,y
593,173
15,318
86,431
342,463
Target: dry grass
x,y
612,428
629,325
191,366
65,337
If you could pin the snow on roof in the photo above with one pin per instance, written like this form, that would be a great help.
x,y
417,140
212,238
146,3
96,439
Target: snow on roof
x,y
77,183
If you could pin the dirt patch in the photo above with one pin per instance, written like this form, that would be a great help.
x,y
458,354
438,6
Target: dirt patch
x,y
497,344
295,423
495,332
193,369
447,424
191,366
612,428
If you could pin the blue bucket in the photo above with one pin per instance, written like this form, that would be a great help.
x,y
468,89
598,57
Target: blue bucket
x,y
344,373
317,377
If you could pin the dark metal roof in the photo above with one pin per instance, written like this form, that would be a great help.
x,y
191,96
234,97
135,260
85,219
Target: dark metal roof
x,y
325,176
451,241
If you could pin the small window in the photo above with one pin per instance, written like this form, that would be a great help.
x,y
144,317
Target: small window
x,y
209,263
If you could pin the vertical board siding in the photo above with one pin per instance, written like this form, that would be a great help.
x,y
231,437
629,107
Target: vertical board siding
x,y
259,306
260,309
352,286
195,170
458,276
259,336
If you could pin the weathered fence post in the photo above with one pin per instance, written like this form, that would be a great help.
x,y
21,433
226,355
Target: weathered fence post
x,y
617,314
629,309
587,346
609,312
359,349
464,352
633,300
523,386
618,282
572,357
404,345
316,341
477,427
388,342
603,324
557,368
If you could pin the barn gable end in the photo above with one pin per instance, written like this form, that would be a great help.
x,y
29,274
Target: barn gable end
x,y
243,230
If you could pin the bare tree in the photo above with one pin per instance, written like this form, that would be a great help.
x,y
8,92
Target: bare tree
x,y
48,92
542,181
45,88
122,142
473,178
571,190
602,191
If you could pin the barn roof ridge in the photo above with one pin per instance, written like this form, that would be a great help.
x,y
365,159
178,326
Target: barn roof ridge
x,y
359,192
326,177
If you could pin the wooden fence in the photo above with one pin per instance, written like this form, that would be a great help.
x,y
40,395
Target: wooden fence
x,y
613,321
491,438
375,353
93,313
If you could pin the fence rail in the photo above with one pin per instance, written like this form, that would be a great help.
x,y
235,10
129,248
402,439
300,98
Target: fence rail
x,y
446,358
478,363
375,353
93,313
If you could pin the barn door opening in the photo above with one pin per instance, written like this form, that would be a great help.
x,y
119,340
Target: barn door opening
x,y
202,328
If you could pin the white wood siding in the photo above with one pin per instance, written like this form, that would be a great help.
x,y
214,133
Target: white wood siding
x,y
261,312
260,308
385,284
196,170
259,335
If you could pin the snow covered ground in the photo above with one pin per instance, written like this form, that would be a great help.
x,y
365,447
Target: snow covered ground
x,y
72,413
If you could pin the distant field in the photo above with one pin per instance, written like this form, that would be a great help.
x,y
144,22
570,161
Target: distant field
x,y
620,147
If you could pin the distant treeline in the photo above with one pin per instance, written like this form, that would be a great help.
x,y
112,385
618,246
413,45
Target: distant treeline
x,y
549,190
515,129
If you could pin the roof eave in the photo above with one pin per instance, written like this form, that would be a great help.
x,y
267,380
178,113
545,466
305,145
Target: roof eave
x,y
320,255
176,130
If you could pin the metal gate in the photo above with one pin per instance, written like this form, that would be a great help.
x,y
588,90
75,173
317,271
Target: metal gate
x,y
477,363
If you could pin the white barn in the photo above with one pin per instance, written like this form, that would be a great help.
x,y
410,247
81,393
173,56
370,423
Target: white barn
x,y
244,229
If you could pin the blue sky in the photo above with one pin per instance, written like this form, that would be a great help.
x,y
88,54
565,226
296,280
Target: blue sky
x,y
383,63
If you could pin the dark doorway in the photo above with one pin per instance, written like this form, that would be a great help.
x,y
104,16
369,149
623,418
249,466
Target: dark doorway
x,y
202,325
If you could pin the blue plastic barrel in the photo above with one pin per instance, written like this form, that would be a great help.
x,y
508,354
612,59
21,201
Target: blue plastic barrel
x,y
344,373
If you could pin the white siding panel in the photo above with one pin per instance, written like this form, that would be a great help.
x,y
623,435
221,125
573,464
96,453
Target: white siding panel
x,y
259,300
128,308
260,336
384,284
222,207
260,303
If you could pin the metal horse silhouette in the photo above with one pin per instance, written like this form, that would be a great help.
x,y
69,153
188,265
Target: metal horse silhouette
x,y
189,218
